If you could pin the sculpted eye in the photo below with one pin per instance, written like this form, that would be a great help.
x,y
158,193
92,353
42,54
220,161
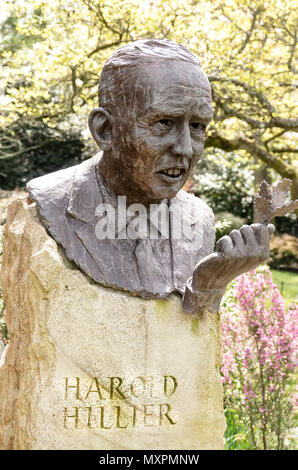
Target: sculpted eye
x,y
162,126
164,122
198,126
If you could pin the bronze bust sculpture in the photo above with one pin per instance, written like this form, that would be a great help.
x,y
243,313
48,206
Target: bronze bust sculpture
x,y
154,108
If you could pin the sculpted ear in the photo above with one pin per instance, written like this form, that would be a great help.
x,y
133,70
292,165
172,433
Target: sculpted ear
x,y
100,125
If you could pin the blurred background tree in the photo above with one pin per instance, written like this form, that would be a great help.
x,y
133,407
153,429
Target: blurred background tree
x,y
35,149
52,54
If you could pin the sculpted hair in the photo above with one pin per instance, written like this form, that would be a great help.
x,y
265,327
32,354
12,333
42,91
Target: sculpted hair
x,y
118,72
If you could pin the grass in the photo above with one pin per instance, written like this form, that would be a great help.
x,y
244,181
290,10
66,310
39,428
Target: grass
x,y
237,432
287,283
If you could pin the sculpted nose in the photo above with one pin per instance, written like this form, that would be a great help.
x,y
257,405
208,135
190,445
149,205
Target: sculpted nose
x,y
182,146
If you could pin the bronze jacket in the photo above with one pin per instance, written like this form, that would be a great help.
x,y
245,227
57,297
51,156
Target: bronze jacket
x,y
67,202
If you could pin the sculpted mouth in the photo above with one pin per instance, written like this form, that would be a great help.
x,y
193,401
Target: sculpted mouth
x,y
174,173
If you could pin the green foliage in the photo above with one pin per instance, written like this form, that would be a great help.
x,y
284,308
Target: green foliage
x,y
52,54
237,432
13,39
225,223
284,252
287,283
226,185
287,224
37,149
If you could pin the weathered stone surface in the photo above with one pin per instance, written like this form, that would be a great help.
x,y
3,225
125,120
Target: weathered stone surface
x,y
89,367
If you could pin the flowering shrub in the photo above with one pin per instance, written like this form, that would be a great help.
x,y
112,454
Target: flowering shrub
x,y
259,341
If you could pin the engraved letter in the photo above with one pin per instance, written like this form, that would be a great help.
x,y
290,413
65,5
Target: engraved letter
x,y
75,416
147,414
166,384
118,425
102,418
151,383
116,388
137,390
89,408
165,413
134,416
77,387
96,390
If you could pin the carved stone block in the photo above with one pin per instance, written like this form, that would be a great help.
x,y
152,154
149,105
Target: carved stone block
x,y
89,367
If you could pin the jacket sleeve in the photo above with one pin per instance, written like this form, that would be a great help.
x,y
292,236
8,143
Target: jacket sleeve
x,y
196,301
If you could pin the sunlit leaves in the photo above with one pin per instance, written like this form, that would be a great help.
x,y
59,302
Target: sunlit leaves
x,y
53,52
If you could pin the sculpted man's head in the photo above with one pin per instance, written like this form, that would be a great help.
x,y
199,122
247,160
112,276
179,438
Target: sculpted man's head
x,y
154,107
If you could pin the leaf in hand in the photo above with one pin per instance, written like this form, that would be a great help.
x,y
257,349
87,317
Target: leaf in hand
x,y
285,209
263,202
271,201
263,208
265,191
280,192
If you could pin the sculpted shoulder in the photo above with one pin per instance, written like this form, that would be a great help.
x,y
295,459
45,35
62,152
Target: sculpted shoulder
x,y
53,192
53,186
54,196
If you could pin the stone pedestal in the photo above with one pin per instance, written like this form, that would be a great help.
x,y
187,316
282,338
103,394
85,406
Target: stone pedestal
x,y
88,367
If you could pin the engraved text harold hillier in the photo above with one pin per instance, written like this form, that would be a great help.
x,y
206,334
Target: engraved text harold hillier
x,y
119,402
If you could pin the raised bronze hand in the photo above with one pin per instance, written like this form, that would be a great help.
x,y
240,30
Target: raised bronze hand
x,y
239,252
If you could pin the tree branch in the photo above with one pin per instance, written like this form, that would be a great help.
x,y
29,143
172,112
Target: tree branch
x,y
275,121
284,150
238,143
292,53
102,47
249,89
266,142
252,27
24,150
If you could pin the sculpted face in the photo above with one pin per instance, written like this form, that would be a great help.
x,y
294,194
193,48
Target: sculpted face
x,y
159,138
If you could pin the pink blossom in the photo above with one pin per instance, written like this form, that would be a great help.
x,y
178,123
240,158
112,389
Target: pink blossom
x,y
260,338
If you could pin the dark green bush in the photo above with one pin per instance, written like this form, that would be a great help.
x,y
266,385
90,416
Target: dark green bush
x,y
284,252
34,149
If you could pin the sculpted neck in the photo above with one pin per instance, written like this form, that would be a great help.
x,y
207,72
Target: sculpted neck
x,y
118,179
